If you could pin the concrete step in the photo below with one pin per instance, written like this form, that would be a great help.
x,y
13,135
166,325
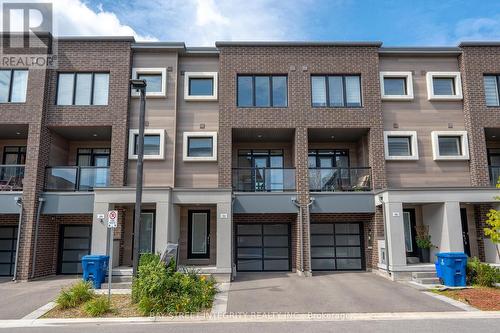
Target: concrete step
x,y
433,280
420,275
412,260
117,285
121,278
127,271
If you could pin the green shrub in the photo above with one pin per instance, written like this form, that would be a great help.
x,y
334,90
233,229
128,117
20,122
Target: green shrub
x,y
75,295
97,306
481,274
162,290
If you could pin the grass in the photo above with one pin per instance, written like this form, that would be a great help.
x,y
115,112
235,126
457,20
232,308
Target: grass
x,y
482,298
121,306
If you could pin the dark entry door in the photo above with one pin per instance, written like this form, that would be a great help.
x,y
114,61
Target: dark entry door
x,y
410,232
263,247
465,230
74,243
337,247
8,242
199,234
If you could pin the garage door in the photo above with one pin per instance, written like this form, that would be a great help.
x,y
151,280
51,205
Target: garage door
x,y
73,245
263,247
8,242
336,246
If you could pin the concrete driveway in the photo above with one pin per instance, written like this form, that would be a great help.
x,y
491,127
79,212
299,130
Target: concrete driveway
x,y
336,292
21,298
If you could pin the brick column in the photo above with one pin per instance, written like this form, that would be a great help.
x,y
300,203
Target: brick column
x,y
225,143
119,154
376,158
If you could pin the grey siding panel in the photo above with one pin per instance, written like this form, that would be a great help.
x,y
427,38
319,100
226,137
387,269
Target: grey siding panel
x,y
264,203
343,203
8,203
68,203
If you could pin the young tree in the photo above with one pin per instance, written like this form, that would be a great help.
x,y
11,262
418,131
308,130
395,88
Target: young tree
x,y
493,222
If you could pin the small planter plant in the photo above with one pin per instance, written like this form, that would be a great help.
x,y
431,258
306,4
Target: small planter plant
x,y
423,240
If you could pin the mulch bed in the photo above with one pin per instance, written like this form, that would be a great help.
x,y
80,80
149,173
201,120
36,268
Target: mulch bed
x,y
121,307
486,299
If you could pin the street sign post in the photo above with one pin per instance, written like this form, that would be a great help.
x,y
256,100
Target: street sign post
x,y
112,224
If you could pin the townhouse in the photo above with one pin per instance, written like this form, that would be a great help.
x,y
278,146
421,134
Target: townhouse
x,y
259,156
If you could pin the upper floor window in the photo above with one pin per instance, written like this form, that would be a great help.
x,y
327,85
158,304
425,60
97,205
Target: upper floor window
x,y
396,85
444,86
492,90
156,81
154,144
200,146
400,145
13,85
82,89
262,91
200,86
336,91
450,145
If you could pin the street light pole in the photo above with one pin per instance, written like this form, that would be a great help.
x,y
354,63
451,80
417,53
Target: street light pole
x,y
141,86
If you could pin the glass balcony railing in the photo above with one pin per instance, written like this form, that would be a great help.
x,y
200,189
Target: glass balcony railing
x,y
340,179
11,177
76,178
494,175
263,179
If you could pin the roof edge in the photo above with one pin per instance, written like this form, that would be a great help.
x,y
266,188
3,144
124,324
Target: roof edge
x,y
418,50
96,38
479,43
298,43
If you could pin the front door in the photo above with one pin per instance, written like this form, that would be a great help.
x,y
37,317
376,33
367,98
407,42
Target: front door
x,y
146,233
409,225
465,231
199,234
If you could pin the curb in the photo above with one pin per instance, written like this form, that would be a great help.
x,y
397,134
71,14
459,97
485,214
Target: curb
x,y
453,302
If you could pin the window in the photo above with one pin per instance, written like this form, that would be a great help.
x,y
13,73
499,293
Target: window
x,y
492,90
401,145
13,85
82,89
200,86
262,91
154,144
156,81
396,85
444,86
450,145
336,91
200,146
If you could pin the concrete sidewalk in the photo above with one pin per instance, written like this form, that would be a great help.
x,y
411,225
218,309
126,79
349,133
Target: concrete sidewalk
x,y
21,298
357,292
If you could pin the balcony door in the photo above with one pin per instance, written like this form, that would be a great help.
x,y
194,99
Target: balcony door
x,y
12,155
94,163
265,168
327,176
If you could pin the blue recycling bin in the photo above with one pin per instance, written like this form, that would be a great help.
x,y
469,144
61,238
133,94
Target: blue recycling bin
x,y
451,268
94,269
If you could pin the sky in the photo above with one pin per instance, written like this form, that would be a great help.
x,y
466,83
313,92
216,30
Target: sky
x,y
202,22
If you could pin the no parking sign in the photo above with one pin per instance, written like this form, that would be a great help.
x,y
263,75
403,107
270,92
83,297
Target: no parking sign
x,y
112,219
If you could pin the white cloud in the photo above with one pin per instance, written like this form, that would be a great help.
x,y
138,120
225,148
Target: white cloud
x,y
482,28
74,18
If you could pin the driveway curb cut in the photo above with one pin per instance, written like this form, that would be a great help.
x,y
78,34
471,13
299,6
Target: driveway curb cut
x,y
451,301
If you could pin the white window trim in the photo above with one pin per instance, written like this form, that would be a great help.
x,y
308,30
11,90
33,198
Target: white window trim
x,y
430,87
200,75
159,70
187,158
413,142
464,143
409,86
131,137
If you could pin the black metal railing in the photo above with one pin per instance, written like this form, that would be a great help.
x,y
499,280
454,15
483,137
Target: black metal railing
x,y
76,178
263,179
11,177
356,179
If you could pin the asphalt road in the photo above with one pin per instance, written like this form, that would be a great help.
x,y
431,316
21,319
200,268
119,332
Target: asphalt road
x,y
425,325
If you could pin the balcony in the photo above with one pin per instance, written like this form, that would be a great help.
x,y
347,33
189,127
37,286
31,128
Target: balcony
x,y
263,179
75,178
357,179
494,175
11,177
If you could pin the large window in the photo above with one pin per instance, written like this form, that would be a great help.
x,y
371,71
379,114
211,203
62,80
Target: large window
x,y
450,145
154,143
13,85
262,91
400,145
82,88
336,91
492,90
200,146
200,86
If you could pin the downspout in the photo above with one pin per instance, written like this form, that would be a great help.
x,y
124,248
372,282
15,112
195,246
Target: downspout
x,y
19,202
311,200
233,255
38,212
386,241
301,233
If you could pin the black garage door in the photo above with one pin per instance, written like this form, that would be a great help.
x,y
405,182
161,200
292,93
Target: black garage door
x,y
8,242
263,247
74,243
336,246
